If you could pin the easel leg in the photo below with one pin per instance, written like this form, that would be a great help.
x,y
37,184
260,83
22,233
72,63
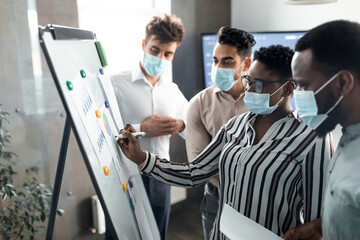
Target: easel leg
x,y
58,178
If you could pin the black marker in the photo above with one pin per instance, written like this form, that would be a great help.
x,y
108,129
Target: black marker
x,y
136,134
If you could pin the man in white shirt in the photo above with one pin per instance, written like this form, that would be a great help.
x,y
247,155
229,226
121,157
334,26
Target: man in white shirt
x,y
211,108
326,66
152,103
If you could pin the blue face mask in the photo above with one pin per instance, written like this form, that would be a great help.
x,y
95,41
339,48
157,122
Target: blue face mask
x,y
259,103
305,104
223,78
155,66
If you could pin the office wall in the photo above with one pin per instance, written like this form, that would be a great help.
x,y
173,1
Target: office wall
x,y
275,15
200,16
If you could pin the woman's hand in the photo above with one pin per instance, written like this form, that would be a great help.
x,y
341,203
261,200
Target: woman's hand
x,y
307,231
130,145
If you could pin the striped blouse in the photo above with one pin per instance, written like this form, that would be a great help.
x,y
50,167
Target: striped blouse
x,y
270,182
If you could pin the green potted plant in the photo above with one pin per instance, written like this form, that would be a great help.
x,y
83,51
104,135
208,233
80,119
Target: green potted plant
x,y
24,207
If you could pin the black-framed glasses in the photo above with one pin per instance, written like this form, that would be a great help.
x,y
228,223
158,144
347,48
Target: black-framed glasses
x,y
257,83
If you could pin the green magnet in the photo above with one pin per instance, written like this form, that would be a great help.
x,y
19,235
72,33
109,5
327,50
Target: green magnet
x,y
83,74
69,85
101,54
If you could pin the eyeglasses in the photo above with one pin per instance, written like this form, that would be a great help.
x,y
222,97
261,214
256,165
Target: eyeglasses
x,y
257,83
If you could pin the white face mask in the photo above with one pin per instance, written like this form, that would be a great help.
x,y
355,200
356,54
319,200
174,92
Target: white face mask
x,y
305,104
259,103
155,66
223,78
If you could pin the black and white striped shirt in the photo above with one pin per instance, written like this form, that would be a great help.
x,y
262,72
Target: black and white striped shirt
x,y
269,182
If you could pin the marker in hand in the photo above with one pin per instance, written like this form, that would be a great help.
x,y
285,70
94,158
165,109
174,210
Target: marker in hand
x,y
135,134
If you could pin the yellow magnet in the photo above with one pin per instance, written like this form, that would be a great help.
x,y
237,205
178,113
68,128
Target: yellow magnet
x,y
125,186
106,170
98,114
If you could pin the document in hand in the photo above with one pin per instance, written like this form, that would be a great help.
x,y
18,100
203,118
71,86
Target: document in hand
x,y
238,227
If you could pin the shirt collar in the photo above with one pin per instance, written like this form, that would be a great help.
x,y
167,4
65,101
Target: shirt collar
x,y
216,89
137,75
351,131
227,95
252,116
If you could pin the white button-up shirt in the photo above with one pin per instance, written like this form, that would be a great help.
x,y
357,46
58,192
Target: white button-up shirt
x,y
341,218
138,99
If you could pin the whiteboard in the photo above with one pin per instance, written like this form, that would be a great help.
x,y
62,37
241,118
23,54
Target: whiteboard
x,y
89,100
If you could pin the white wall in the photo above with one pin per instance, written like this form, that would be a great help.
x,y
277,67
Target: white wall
x,y
275,15
120,27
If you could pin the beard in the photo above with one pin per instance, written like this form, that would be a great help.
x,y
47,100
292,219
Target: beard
x,y
330,123
327,126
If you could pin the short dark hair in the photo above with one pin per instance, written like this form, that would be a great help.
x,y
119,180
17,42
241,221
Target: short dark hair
x,y
335,46
243,41
277,58
166,28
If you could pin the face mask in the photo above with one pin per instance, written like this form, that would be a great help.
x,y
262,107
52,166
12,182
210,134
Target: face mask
x,y
223,78
155,66
259,103
305,104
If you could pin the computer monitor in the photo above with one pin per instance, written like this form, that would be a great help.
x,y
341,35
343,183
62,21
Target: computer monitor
x,y
263,39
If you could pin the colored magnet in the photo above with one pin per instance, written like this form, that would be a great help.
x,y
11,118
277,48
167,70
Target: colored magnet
x,y
83,74
107,104
101,71
69,85
98,114
130,184
101,54
106,170
125,186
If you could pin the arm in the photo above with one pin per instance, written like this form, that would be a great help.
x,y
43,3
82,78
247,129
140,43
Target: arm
x,y
178,174
181,110
307,231
197,136
314,170
155,126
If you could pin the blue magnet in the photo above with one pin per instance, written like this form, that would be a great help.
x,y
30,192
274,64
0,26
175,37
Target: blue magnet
x,y
101,71
130,183
107,104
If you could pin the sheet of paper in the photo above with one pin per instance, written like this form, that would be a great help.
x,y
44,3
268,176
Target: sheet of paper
x,y
138,207
84,102
107,126
238,227
108,90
